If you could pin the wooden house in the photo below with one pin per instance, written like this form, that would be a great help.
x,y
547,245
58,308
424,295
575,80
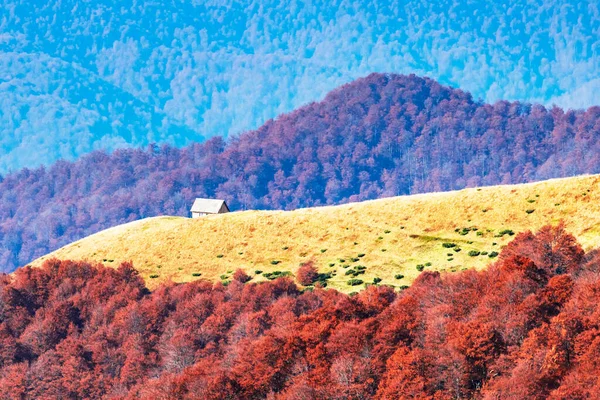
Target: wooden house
x,y
202,207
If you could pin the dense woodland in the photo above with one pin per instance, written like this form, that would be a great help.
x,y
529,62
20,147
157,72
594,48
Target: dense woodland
x,y
383,135
527,327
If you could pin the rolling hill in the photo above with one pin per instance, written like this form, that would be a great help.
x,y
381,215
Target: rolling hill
x,y
389,236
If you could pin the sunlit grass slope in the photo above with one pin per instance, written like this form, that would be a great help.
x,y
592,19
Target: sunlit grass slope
x,y
390,237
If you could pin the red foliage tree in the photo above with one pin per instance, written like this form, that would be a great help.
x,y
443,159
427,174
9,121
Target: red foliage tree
x,y
241,276
307,274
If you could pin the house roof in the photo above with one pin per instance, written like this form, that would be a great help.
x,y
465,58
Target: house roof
x,y
210,206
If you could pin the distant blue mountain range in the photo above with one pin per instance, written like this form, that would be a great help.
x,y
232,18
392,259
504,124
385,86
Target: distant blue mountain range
x,y
82,75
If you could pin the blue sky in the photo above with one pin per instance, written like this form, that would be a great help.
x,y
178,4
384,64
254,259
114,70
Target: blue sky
x,y
77,76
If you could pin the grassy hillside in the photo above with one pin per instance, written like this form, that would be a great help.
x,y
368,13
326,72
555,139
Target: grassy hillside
x,y
390,237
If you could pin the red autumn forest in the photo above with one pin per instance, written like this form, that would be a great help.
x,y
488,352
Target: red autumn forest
x,y
527,327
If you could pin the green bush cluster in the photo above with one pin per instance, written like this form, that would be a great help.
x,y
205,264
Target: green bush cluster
x,y
448,245
275,262
355,282
376,280
465,231
358,270
420,267
503,232
276,274
196,273
493,254
398,276
323,277
474,253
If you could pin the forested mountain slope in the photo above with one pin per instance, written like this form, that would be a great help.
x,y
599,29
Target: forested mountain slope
x,y
380,136
76,76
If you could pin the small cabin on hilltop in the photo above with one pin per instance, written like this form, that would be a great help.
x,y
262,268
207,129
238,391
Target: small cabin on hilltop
x,y
202,207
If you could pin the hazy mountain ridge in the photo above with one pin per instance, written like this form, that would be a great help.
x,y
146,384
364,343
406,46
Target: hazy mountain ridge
x,y
78,76
379,136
